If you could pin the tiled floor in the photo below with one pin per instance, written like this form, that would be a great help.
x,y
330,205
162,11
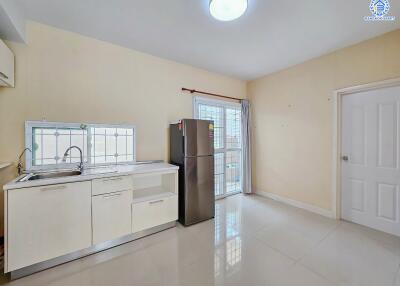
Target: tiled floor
x,y
252,241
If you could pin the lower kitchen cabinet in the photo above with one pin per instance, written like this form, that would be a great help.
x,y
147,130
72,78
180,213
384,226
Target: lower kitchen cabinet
x,y
111,216
156,212
47,222
67,220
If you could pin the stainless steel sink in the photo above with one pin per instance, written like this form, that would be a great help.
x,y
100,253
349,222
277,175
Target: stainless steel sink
x,y
50,175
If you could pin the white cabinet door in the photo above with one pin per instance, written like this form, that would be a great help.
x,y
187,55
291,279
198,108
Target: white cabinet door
x,y
371,166
47,222
149,214
111,216
6,66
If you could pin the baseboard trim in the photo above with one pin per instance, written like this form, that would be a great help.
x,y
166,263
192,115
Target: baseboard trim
x,y
297,204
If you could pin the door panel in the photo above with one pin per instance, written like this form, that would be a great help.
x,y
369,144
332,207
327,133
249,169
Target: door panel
x,y
48,222
199,188
233,171
219,169
358,140
111,216
387,197
387,135
371,175
358,195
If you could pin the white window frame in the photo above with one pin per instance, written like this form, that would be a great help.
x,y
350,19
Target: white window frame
x,y
221,103
30,125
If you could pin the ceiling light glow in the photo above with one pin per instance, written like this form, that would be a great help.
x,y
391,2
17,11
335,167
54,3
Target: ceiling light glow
x,y
227,10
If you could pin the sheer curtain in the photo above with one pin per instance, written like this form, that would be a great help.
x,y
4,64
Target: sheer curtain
x,y
246,141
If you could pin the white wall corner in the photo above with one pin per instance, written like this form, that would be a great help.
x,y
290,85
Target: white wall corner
x,y
297,204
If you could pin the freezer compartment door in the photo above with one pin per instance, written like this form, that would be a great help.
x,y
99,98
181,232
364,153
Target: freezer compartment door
x,y
199,189
199,137
176,150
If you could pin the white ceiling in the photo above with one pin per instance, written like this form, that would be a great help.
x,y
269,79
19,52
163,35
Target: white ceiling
x,y
271,36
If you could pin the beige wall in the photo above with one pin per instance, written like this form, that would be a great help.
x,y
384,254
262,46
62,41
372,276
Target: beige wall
x,y
62,76
292,115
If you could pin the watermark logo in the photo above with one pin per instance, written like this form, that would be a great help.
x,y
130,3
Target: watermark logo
x,y
379,10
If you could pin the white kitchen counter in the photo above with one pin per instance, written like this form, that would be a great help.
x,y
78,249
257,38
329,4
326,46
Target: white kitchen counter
x,y
96,173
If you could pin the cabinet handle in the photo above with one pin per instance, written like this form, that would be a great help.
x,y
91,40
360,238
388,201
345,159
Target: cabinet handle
x,y
53,188
156,202
112,196
3,75
113,179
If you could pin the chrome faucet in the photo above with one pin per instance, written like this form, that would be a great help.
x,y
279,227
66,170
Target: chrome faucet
x,y
19,166
64,159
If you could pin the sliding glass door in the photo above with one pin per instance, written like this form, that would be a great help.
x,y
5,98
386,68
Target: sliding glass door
x,y
227,143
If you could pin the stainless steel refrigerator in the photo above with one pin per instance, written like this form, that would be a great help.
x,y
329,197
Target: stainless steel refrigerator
x,y
192,149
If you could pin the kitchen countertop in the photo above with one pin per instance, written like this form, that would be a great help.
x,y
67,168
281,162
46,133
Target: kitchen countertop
x,y
95,173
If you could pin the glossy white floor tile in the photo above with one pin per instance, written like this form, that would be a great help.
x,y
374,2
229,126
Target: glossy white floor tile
x,y
286,240
352,257
252,241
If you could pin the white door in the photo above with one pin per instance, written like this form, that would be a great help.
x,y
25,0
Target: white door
x,y
227,117
370,161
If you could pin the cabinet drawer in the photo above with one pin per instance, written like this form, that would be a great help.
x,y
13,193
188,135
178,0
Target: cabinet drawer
x,y
153,213
111,216
111,185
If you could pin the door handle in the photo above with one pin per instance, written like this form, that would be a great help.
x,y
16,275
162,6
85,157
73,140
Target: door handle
x,y
156,202
54,188
113,179
345,158
112,196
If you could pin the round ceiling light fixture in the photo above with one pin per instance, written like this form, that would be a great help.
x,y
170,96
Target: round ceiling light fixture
x,y
227,10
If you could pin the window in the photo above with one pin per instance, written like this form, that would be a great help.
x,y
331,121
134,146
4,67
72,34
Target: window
x,y
49,145
101,144
227,142
111,145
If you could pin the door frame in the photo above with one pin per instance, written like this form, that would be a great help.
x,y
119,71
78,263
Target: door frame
x,y
337,137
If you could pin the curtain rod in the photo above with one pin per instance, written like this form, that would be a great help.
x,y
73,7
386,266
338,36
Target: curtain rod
x,y
208,93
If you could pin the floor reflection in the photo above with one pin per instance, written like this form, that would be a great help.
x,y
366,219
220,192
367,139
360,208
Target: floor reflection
x,y
228,242
244,245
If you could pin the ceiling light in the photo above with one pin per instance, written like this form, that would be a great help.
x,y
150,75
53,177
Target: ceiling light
x,y
227,10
